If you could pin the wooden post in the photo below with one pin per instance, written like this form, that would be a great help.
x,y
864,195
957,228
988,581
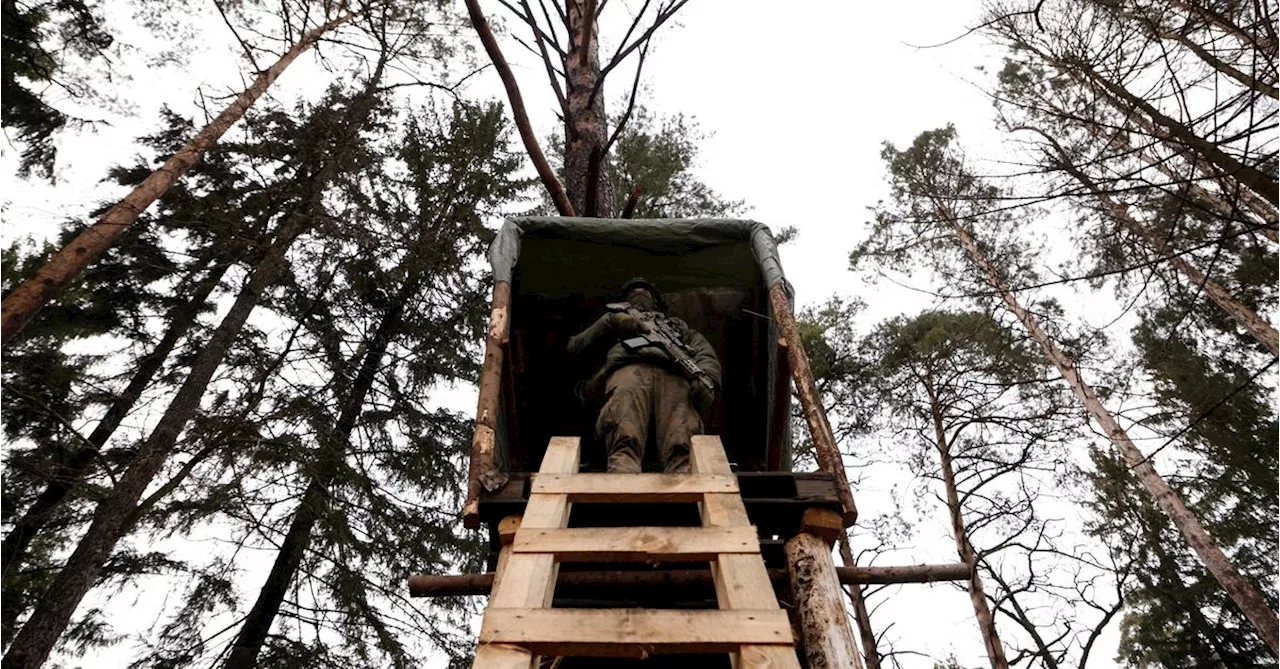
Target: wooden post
x,y
484,442
828,637
780,414
829,459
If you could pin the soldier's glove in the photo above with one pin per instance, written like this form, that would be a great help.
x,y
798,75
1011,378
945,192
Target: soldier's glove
x,y
702,396
626,324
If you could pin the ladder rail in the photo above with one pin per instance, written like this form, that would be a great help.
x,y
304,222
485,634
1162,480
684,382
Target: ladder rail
x,y
519,623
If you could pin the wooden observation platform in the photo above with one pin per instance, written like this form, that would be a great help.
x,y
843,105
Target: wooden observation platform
x,y
730,565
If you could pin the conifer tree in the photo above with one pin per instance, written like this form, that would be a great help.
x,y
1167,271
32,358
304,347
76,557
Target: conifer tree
x,y
938,203
22,303
38,38
976,395
431,295
328,146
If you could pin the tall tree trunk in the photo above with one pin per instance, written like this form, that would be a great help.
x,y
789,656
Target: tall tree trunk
x,y
1171,130
588,173
1216,204
977,594
1156,31
31,296
1238,311
1255,608
70,473
315,500
1265,44
111,518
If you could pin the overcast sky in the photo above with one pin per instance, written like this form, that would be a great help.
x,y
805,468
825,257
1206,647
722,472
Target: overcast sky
x,y
798,99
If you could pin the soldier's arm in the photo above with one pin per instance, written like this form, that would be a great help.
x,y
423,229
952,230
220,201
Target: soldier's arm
x,y
605,327
585,339
704,355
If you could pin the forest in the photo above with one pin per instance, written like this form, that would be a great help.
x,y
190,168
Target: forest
x,y
245,300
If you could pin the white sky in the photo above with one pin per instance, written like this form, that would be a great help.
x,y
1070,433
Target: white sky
x,y
798,98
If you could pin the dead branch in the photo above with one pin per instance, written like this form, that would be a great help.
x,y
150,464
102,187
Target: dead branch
x,y
545,173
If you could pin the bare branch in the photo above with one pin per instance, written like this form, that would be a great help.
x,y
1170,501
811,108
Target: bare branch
x,y
548,175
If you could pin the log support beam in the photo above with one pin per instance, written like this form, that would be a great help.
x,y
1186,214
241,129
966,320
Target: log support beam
x,y
479,585
824,625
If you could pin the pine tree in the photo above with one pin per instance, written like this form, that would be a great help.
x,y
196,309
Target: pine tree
x,y
976,395
37,38
454,174
22,303
938,203
328,147
215,244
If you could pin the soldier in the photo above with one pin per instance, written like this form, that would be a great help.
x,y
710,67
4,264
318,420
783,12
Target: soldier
x,y
658,374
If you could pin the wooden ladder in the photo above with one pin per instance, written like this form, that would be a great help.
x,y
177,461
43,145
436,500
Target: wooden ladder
x,y
520,625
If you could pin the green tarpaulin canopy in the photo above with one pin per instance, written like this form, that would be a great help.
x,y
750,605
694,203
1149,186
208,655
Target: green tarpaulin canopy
x,y
714,274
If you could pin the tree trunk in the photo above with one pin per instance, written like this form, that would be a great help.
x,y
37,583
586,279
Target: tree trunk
x,y
111,518
828,640
1216,204
315,501
1266,44
861,616
31,296
1170,129
70,474
1255,608
977,594
1238,311
1155,31
588,174
1019,615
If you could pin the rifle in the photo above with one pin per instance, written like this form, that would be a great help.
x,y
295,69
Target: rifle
x,y
658,332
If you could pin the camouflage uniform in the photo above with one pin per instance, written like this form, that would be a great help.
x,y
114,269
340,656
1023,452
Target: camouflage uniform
x,y
645,394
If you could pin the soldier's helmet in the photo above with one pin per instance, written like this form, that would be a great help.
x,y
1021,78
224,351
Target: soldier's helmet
x,y
641,282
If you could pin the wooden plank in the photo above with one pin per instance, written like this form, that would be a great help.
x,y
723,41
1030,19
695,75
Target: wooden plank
x,y
741,580
633,487
633,632
637,544
706,455
528,581
503,656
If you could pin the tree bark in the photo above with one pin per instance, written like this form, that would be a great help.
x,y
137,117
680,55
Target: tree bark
x,y
315,500
1255,608
481,469
828,639
111,519
70,474
588,173
977,594
31,296
548,176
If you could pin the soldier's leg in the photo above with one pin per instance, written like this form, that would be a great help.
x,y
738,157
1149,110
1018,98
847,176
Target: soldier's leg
x,y
623,426
675,420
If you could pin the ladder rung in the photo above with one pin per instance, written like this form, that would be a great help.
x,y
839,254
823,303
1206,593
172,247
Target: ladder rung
x,y
634,487
633,632
637,544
